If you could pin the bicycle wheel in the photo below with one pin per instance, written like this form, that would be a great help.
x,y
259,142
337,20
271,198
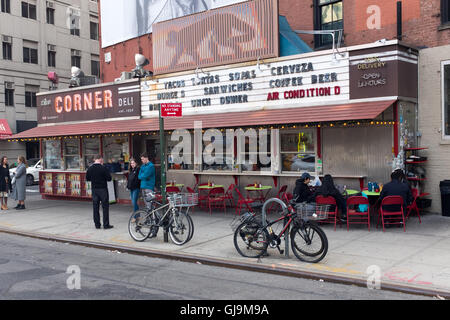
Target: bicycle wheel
x,y
250,240
180,228
309,243
140,225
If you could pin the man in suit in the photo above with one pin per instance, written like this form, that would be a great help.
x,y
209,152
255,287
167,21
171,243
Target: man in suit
x,y
99,176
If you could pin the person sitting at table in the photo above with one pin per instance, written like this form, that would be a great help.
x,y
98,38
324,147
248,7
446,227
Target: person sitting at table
x,y
329,189
396,188
302,192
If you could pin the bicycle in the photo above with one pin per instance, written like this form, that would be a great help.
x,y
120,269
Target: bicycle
x,y
145,223
308,241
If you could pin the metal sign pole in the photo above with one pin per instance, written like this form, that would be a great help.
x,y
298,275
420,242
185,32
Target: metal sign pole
x,y
163,165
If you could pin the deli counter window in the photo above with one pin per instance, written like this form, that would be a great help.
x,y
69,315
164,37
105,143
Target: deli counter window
x,y
298,153
116,153
91,148
52,154
72,154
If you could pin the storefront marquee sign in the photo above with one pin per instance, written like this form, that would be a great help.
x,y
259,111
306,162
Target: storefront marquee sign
x,y
301,82
171,110
99,102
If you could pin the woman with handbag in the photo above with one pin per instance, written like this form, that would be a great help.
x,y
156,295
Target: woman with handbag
x,y
5,182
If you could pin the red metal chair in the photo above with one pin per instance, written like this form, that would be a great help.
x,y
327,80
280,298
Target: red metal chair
x,y
413,206
229,194
216,199
202,196
360,217
190,190
279,195
332,215
391,217
172,189
243,202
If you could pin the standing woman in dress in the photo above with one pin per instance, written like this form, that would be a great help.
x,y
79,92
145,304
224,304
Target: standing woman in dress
x,y
5,182
20,183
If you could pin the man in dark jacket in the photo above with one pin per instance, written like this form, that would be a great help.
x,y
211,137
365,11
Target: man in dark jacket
x,y
396,188
99,176
302,192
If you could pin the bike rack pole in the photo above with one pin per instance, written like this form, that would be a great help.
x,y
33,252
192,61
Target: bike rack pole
x,y
286,235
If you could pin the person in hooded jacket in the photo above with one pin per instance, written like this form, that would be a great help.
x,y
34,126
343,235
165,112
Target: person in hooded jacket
x,y
134,184
329,189
302,193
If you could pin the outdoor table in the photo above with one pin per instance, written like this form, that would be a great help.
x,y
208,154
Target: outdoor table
x,y
260,190
210,187
351,192
179,185
373,200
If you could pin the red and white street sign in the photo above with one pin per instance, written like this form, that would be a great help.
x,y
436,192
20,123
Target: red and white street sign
x,y
171,110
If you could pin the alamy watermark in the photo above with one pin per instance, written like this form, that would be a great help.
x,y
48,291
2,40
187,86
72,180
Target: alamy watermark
x,y
73,282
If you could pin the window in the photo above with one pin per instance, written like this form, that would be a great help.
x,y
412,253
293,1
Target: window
x,y
116,153
50,16
298,150
328,17
446,96
52,154
9,94
445,11
180,145
51,56
30,96
74,15
76,61
255,150
95,66
28,10
91,147
72,154
218,150
7,50
6,6
30,55
94,30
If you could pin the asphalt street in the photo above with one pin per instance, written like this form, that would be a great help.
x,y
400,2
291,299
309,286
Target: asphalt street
x,y
47,270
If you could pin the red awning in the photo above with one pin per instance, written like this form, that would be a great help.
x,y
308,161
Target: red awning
x,y
351,111
5,130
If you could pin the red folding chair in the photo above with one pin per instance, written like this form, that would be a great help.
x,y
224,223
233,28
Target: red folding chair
x,y
202,196
216,199
391,217
352,212
243,202
413,206
279,195
229,195
190,190
332,215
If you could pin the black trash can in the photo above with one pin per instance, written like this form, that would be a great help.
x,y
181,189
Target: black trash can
x,y
445,197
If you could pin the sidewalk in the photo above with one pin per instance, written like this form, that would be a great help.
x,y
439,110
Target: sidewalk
x,y
415,261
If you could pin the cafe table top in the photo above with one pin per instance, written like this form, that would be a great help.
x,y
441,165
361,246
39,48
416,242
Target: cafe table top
x,y
351,192
252,188
371,193
211,186
179,185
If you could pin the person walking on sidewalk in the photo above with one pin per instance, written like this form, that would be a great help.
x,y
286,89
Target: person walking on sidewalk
x,y
134,184
99,176
5,182
19,183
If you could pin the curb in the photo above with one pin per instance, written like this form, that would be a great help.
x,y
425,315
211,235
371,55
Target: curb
x,y
311,275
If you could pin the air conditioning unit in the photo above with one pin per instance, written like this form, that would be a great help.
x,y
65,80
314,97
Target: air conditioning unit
x,y
50,5
7,39
51,47
126,75
9,85
76,53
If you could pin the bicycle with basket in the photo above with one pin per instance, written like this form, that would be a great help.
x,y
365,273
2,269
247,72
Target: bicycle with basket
x,y
173,217
253,236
